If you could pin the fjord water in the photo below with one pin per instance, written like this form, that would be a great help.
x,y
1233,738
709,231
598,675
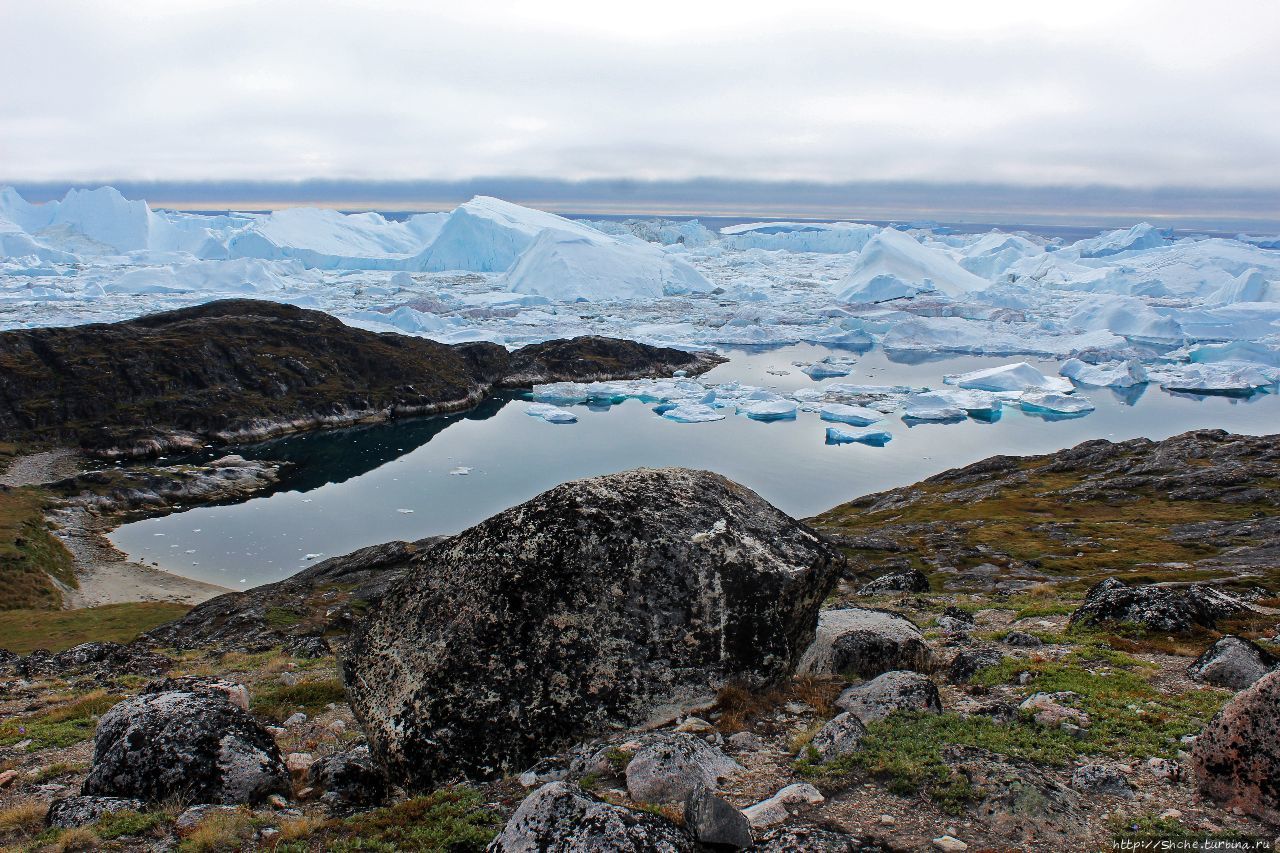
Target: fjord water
x,y
349,488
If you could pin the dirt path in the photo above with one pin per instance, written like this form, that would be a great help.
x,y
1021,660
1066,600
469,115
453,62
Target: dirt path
x,y
46,467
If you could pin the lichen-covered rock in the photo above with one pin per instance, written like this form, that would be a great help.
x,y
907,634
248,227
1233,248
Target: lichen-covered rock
x,y
967,662
668,768
1101,779
191,744
1054,709
907,580
712,821
778,809
349,780
71,812
1232,662
616,600
563,818
1176,610
100,658
1022,640
863,642
956,621
839,737
1237,757
892,691
813,839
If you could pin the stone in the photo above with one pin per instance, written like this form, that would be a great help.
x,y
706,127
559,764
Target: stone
x,y
779,808
865,643
299,762
909,580
1101,779
744,742
71,812
1050,710
309,647
668,768
967,662
7,777
1022,640
892,691
98,658
839,737
1164,768
1232,662
949,844
615,601
562,817
235,693
1174,610
1236,758
812,839
295,720
350,780
192,742
713,821
695,725
956,621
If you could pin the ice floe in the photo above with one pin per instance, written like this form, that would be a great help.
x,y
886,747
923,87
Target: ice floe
x,y
868,435
551,414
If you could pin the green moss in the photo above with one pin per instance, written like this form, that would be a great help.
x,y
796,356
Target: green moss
x,y
129,823
279,702
1152,828
450,820
63,725
281,617
23,631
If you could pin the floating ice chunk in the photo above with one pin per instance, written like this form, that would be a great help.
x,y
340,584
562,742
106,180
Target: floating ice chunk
x,y
974,402
768,410
894,265
1055,403
871,435
1120,374
1242,351
932,407
405,511
846,414
408,320
1128,316
460,471
1225,377
692,413
551,414
828,367
487,234
1008,377
1141,236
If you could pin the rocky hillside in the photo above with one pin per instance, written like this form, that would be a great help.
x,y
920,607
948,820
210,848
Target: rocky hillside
x,y
244,369
1050,653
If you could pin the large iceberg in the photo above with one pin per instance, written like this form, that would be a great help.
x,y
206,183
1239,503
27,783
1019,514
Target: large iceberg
x,y
1127,316
894,265
327,239
1141,236
824,237
874,436
488,234
1008,377
1120,374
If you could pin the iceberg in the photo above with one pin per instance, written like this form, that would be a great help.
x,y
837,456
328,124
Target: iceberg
x,y
551,414
768,410
692,413
1225,377
1008,377
1127,316
1121,374
407,319
874,436
1248,352
1055,403
1141,236
1252,285
574,267
846,414
487,235
827,368
327,239
819,237
932,407
893,265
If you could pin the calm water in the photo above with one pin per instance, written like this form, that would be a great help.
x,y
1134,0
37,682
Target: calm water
x,y
357,487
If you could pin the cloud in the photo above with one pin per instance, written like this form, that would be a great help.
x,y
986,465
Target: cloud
x,y
1147,94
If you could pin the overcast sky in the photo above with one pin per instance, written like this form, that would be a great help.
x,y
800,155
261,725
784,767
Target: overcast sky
x,y
1124,93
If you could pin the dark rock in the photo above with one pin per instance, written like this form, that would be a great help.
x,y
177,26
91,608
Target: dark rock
x,y
1022,640
1232,662
1162,608
839,737
193,744
609,601
954,620
966,664
1101,779
308,647
712,821
668,767
97,658
865,642
8,660
564,818
892,691
591,358
910,580
350,780
812,839
1237,756
70,812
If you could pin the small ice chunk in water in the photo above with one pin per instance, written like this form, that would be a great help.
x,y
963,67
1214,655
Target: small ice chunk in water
x,y
828,367
768,410
692,413
405,511
1058,404
551,414
1119,374
874,436
932,407
846,414
460,471
1008,377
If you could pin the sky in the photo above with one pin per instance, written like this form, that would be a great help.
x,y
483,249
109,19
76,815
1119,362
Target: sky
x,y
1124,94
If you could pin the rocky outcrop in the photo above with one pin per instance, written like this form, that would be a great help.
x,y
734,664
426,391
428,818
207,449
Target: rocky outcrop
x,y
349,780
242,370
862,642
892,691
156,490
668,768
1101,779
563,817
968,662
714,822
1232,662
906,580
193,744
1161,608
99,659
1237,757
839,737
70,812
612,601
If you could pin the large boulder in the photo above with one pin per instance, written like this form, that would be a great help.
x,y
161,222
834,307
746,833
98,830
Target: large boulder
x,y
903,580
841,736
1237,756
1232,662
892,691
864,642
70,812
562,817
668,768
193,744
1177,610
606,602
350,780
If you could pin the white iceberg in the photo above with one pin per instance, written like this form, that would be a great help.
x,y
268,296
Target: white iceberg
x,y
1008,377
872,435
1117,374
1141,236
551,414
893,265
693,413
932,407
327,239
1127,316
847,414
824,237
768,410
487,235
1218,378
1247,352
827,368
1054,403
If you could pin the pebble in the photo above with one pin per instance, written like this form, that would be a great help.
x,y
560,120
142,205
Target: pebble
x,y
298,762
288,679
695,725
888,820
949,844
7,777
1170,814
295,720
278,801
